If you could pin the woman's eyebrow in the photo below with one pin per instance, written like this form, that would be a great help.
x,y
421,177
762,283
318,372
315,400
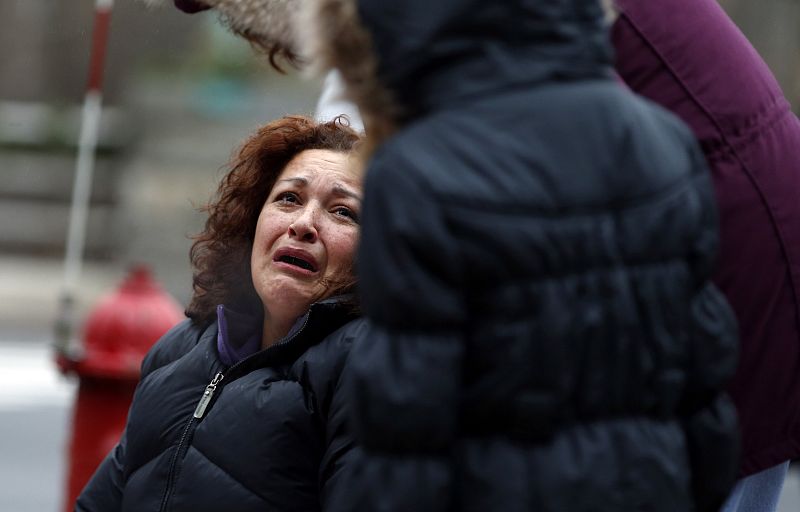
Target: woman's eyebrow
x,y
297,181
343,191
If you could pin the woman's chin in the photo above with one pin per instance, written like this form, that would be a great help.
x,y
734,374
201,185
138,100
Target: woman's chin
x,y
289,293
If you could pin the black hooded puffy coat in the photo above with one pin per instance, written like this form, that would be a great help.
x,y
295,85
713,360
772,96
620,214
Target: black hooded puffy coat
x,y
535,259
272,437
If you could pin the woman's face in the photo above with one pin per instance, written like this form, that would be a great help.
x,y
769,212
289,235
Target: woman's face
x,y
307,232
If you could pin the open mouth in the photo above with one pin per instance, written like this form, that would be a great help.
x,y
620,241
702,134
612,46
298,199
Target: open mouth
x,y
297,258
297,262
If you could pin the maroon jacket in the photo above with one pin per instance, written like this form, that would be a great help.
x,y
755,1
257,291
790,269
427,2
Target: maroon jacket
x,y
689,57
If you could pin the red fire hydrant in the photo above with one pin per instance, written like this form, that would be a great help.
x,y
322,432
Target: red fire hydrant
x,y
118,333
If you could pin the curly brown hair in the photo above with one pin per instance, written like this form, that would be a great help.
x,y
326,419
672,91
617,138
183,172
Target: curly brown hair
x,y
220,254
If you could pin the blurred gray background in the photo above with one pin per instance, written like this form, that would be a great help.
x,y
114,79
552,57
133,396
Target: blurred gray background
x,y
180,94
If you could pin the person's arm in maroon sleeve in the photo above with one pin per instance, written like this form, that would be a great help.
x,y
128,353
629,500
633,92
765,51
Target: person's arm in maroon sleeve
x,y
689,57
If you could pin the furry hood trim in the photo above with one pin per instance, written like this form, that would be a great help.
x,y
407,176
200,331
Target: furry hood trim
x,y
333,37
326,34
267,23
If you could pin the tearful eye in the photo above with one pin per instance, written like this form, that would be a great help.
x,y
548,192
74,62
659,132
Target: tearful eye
x,y
288,198
346,212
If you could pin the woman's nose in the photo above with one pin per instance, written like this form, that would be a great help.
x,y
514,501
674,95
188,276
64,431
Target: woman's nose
x,y
304,227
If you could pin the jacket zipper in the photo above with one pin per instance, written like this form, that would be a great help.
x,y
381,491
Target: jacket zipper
x,y
208,394
205,402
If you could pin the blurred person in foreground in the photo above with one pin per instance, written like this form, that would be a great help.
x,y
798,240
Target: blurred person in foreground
x,y
703,69
239,407
535,265
688,56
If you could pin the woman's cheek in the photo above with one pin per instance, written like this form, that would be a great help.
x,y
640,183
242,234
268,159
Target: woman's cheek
x,y
343,248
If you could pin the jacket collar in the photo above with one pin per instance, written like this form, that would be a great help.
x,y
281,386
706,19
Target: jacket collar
x,y
239,333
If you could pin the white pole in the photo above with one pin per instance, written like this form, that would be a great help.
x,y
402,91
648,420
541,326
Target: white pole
x,y
81,189
82,184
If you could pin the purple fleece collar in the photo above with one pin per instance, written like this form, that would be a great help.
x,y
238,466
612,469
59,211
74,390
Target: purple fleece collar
x,y
239,334
242,340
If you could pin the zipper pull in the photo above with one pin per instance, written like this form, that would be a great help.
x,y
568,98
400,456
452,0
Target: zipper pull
x,y
207,394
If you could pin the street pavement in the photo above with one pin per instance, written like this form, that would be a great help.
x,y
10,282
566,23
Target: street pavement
x,y
35,407
35,404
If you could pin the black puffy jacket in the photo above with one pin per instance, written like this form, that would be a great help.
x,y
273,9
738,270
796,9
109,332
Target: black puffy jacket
x,y
534,264
271,438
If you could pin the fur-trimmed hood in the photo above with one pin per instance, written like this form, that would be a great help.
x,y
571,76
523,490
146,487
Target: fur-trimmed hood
x,y
401,60
268,23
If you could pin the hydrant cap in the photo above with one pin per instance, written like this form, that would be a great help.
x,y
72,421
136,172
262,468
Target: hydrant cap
x,y
125,324
140,279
